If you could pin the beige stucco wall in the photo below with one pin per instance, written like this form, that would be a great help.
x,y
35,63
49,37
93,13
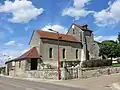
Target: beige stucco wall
x,y
91,46
69,47
79,34
35,41
18,71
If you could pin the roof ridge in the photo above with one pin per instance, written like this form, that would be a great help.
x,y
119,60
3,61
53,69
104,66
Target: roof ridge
x,y
54,33
81,27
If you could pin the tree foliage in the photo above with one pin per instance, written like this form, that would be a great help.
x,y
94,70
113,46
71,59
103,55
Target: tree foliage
x,y
109,48
118,38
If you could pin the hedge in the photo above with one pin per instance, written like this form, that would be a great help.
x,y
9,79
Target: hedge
x,y
96,63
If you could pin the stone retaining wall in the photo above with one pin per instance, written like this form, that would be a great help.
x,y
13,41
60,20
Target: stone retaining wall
x,y
11,73
69,73
43,74
84,73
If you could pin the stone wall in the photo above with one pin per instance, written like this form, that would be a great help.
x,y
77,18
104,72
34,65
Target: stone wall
x,y
70,54
87,40
71,73
43,74
19,69
11,73
85,73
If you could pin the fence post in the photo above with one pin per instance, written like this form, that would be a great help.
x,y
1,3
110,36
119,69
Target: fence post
x,y
79,73
63,70
108,71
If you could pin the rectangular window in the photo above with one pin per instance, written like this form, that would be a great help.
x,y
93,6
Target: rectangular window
x,y
50,53
77,54
64,54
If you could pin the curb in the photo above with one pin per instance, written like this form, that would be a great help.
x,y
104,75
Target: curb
x,y
29,79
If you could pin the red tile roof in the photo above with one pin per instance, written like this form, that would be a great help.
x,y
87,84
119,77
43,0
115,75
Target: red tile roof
x,y
32,53
51,35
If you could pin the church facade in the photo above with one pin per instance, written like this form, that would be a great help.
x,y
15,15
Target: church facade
x,y
75,46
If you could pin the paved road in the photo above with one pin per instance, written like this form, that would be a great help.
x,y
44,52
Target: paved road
x,y
15,84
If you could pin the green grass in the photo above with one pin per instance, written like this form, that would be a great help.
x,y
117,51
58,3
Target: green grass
x,y
116,65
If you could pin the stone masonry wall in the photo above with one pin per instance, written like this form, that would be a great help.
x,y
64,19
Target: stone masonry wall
x,y
71,73
84,73
43,74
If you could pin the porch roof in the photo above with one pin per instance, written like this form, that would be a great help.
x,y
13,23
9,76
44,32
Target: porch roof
x,y
32,53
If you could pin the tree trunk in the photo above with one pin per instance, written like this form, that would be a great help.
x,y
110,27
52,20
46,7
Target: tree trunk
x,y
111,58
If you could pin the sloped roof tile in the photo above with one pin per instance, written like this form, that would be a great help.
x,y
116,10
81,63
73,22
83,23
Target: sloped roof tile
x,y
32,53
51,35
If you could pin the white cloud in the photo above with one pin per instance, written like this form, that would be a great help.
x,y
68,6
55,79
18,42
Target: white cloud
x,y
13,43
10,43
9,54
58,28
102,38
22,10
80,3
108,16
77,10
11,50
74,12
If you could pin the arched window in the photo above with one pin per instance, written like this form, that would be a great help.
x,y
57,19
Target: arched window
x,y
64,56
77,54
50,53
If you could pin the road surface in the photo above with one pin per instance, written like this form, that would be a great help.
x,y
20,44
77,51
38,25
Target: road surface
x,y
16,84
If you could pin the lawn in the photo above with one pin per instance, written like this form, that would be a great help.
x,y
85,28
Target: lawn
x,y
116,65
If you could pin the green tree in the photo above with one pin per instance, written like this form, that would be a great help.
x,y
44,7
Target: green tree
x,y
118,38
109,48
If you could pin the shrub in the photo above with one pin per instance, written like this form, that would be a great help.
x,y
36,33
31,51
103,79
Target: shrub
x,y
96,63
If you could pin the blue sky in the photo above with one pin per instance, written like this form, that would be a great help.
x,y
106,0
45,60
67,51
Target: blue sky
x,y
18,19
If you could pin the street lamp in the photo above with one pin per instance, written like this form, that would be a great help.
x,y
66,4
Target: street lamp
x,y
58,52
